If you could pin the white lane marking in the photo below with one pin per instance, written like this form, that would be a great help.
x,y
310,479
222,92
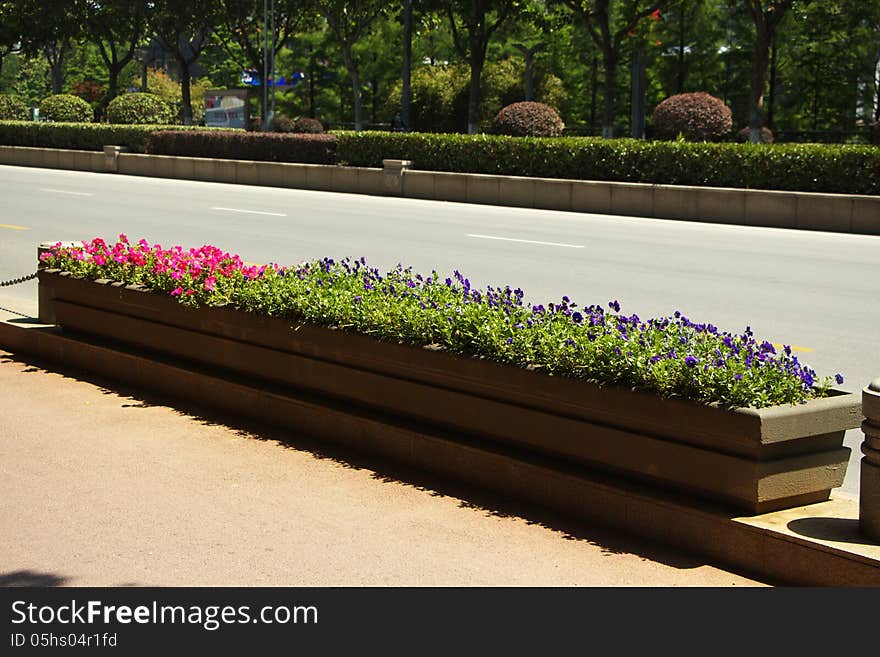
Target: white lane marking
x,y
512,239
64,191
271,214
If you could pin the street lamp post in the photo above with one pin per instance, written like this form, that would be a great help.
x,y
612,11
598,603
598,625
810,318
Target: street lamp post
x,y
268,69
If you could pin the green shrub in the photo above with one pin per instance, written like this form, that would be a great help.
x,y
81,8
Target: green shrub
x,y
13,109
265,146
440,94
82,136
695,116
139,109
528,119
66,108
845,169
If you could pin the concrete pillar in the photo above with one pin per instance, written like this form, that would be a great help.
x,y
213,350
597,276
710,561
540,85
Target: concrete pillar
x,y
111,154
392,176
869,492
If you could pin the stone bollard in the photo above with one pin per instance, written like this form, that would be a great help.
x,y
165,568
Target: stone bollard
x,y
869,491
111,158
392,176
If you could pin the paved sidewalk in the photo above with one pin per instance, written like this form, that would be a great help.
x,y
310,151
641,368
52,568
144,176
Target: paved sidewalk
x,y
99,488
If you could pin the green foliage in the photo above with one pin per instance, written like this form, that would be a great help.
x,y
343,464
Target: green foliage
x,y
162,85
440,94
81,136
845,169
528,119
237,145
12,109
139,109
695,116
66,108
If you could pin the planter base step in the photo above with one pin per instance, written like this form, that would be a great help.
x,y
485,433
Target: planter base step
x,y
818,544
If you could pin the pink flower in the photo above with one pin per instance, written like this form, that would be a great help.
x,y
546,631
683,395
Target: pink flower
x,y
176,292
209,283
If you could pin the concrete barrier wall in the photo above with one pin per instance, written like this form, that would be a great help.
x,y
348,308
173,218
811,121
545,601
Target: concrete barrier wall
x,y
842,213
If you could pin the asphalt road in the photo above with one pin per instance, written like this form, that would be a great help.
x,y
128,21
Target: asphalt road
x,y
816,291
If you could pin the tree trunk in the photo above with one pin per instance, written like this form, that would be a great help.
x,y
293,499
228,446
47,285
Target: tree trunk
x,y
759,76
681,45
185,92
348,60
771,97
113,72
55,53
474,90
609,89
594,84
406,68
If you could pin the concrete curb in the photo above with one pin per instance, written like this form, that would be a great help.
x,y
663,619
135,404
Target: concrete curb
x,y
842,213
829,552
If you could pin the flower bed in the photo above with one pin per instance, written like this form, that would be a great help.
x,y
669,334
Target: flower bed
x,y
671,356
476,362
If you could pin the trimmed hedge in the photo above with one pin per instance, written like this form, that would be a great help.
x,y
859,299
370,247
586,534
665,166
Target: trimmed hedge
x,y
695,116
139,109
82,136
844,169
66,108
13,109
528,119
265,146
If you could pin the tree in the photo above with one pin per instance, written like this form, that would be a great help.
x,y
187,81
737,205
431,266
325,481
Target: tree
x,y
609,23
10,29
349,21
766,15
243,23
183,28
116,27
50,34
473,24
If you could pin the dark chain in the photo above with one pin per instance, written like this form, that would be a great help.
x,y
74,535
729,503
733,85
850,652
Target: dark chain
x,y
16,281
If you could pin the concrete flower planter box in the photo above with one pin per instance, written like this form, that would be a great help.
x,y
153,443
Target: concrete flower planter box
x,y
751,460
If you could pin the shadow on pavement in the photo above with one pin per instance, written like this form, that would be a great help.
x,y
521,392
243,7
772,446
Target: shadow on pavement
x,y
28,578
384,470
842,530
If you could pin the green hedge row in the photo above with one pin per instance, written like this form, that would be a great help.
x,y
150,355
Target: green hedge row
x,y
82,136
845,169
305,148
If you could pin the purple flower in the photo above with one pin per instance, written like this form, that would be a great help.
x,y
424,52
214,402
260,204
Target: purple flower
x,y
577,318
690,361
615,305
839,378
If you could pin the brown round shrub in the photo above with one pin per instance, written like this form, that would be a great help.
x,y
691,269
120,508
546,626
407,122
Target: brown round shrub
x,y
309,125
695,116
766,135
528,119
282,123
